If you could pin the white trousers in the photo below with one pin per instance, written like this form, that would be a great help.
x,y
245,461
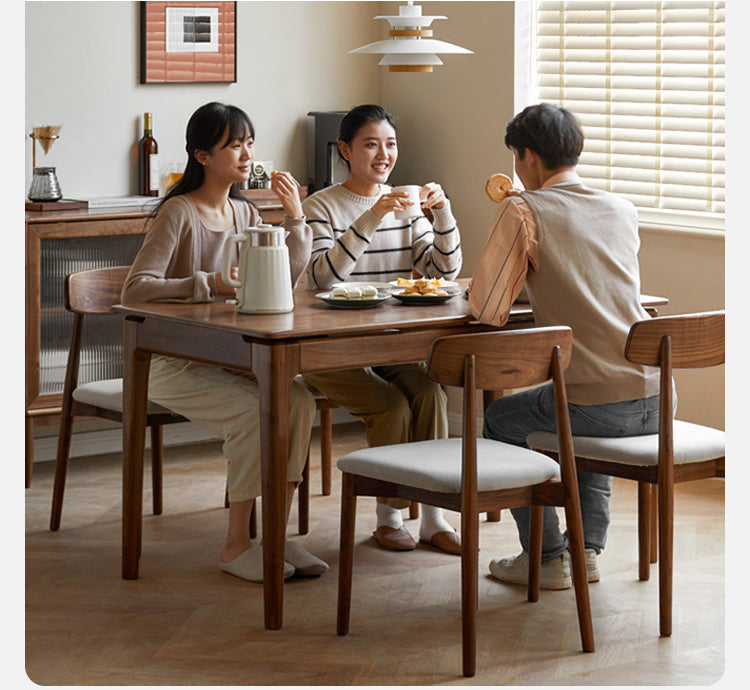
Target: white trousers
x,y
226,402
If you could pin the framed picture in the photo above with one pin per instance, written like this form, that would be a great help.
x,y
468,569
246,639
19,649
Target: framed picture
x,y
188,42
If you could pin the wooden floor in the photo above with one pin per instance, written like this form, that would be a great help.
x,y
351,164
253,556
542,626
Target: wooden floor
x,y
184,622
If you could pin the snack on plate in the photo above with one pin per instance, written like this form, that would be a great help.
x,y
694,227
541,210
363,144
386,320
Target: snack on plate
x,y
355,292
498,186
424,286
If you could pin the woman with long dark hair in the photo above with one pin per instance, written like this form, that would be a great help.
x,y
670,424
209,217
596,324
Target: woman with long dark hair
x,y
356,237
180,261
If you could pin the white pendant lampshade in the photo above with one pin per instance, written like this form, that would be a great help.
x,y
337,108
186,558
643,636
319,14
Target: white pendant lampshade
x,y
411,47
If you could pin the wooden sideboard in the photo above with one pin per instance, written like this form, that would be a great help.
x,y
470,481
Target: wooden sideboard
x,y
61,242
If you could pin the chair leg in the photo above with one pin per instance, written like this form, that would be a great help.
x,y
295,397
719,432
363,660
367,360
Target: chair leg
x,y
644,530
303,499
157,464
61,467
580,577
254,520
413,510
666,538
535,550
326,446
469,590
346,553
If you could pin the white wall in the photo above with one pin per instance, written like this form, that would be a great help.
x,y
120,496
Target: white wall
x,y
82,72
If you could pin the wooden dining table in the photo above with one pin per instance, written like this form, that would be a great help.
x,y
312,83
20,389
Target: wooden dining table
x,y
276,348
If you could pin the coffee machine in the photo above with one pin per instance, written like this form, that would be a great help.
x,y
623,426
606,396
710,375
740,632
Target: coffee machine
x,y
328,167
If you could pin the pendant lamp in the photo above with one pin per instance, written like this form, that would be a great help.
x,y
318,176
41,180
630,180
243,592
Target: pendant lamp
x,y
411,47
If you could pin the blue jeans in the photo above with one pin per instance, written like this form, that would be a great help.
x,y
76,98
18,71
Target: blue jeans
x,y
512,418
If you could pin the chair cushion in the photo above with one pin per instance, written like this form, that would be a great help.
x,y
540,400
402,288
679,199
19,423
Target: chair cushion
x,y
107,394
692,443
436,465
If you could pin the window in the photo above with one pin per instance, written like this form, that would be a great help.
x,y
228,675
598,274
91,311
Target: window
x,y
646,81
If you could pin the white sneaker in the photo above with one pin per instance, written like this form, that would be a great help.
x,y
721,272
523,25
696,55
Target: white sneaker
x,y
592,569
554,574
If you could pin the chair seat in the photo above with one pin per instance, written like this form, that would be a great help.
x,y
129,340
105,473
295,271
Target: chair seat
x,y
436,465
107,394
692,443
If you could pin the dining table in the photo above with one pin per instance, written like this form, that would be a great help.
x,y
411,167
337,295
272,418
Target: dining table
x,y
314,336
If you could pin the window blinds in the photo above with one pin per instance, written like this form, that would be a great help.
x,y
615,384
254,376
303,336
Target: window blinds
x,y
646,81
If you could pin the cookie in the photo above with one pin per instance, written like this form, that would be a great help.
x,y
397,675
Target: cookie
x,y
497,187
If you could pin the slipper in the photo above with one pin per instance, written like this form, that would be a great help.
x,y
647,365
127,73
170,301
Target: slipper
x,y
249,565
305,564
449,542
394,539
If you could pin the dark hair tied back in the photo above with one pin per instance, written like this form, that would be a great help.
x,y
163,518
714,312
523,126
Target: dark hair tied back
x,y
358,117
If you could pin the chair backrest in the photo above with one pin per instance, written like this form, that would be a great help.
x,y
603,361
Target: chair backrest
x,y
94,291
696,340
502,359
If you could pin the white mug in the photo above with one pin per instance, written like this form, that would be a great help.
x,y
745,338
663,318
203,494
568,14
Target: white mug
x,y
415,209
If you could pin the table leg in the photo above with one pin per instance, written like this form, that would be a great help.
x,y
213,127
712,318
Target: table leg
x,y
274,366
135,392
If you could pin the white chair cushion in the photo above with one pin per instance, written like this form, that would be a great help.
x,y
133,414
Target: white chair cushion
x,y
692,443
107,394
436,465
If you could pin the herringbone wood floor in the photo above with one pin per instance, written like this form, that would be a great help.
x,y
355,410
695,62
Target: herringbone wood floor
x,y
183,622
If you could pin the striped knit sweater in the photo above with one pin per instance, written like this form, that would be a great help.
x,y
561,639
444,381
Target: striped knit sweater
x,y
350,243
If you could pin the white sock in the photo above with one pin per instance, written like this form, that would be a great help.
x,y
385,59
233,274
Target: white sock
x,y
388,516
432,522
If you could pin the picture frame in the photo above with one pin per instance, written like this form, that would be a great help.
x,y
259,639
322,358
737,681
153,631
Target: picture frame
x,y
186,42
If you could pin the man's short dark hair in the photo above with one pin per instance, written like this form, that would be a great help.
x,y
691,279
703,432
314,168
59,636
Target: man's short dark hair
x,y
552,132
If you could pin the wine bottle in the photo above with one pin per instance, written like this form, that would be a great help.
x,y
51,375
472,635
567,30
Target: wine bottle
x,y
148,160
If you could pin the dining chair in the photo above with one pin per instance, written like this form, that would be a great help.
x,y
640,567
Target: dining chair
x,y
93,292
470,475
679,452
90,293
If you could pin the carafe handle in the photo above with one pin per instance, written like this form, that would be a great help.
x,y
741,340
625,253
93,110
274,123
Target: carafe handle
x,y
226,265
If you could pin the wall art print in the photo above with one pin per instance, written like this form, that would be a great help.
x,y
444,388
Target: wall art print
x,y
188,42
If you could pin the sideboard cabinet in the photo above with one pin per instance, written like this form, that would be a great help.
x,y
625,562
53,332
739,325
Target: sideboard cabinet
x,y
61,242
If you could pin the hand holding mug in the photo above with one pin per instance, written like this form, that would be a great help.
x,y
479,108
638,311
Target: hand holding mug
x,y
394,201
432,196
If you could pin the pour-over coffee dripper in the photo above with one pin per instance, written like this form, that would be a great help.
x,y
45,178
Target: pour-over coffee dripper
x,y
44,183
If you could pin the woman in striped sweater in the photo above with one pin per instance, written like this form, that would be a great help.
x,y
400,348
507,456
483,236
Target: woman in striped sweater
x,y
356,237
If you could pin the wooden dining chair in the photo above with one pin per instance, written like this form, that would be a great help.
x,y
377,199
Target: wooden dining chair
x,y
471,475
92,293
679,452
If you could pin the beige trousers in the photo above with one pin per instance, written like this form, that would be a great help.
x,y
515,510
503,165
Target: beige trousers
x,y
397,403
226,402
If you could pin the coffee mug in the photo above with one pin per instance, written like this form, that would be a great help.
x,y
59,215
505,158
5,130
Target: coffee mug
x,y
415,209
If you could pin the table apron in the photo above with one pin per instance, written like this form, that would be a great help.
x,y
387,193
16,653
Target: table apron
x,y
400,346
194,342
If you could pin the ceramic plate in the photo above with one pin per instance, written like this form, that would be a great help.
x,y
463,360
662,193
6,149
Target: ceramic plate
x,y
423,300
344,303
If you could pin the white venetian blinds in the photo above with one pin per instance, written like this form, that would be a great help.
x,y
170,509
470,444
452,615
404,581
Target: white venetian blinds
x,y
646,81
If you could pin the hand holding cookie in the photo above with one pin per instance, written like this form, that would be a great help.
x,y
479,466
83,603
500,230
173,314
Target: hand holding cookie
x,y
498,186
